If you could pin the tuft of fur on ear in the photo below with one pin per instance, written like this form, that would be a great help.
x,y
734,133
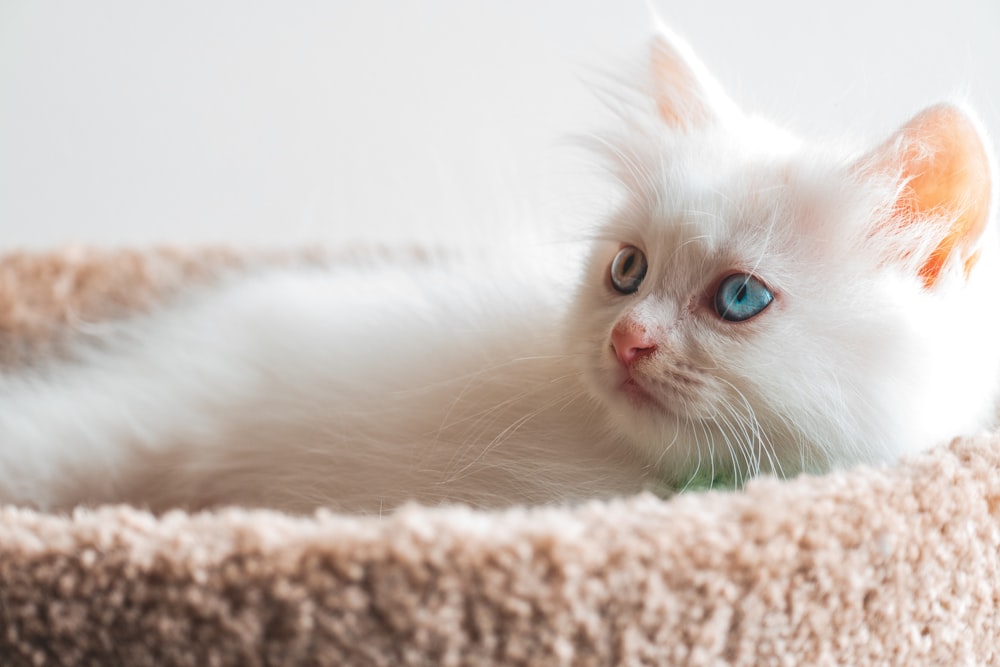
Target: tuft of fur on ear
x,y
943,200
687,96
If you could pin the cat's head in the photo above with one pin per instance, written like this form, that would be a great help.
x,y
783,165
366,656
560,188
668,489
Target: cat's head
x,y
760,304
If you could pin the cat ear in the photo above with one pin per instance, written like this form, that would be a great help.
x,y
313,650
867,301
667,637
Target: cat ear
x,y
944,177
686,95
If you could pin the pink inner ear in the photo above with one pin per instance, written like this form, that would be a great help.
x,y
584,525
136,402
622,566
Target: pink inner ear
x,y
948,173
678,95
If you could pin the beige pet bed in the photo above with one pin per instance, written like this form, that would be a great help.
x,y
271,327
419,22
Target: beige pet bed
x,y
895,566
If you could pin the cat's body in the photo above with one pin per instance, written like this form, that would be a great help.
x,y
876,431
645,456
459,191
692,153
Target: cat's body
x,y
755,305
322,386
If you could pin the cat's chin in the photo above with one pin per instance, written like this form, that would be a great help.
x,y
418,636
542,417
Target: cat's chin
x,y
652,427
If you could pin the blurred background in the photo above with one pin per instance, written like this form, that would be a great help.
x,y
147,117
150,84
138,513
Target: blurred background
x,y
126,122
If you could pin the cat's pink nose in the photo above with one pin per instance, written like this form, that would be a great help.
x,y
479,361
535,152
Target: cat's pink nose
x,y
631,342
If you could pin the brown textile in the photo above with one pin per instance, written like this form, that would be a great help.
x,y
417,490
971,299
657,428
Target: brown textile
x,y
47,297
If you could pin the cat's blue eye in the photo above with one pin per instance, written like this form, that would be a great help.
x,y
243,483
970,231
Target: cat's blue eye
x,y
628,268
740,297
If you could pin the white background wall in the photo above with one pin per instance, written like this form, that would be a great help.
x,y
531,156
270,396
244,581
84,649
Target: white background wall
x,y
131,121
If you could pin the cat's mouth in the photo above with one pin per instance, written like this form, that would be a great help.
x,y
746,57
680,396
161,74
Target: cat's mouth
x,y
672,394
639,396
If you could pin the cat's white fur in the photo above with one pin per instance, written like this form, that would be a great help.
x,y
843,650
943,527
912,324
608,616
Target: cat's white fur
x,y
854,361
494,380
356,387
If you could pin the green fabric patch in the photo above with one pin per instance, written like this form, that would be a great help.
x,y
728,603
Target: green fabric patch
x,y
701,480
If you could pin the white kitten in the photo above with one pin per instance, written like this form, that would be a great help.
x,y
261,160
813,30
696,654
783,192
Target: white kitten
x,y
783,307
755,305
